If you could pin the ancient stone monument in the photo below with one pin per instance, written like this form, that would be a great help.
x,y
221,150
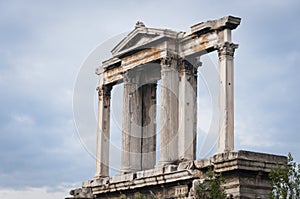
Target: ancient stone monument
x,y
145,56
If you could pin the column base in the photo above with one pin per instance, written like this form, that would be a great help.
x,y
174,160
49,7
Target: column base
x,y
125,171
99,177
167,166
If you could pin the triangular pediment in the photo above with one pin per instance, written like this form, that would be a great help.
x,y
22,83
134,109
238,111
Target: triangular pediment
x,y
140,37
139,40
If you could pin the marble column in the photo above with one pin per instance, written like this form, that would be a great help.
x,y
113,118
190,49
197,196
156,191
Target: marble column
x,y
139,127
169,111
143,127
148,126
187,111
126,125
226,97
103,134
135,112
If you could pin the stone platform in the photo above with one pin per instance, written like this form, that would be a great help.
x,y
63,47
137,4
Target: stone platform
x,y
245,173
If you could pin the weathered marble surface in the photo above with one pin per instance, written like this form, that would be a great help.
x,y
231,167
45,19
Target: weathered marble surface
x,y
246,175
145,56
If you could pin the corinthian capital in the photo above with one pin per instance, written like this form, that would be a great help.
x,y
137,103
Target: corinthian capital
x,y
104,92
226,49
169,61
166,61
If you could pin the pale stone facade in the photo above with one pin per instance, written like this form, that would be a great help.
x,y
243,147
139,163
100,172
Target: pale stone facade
x,y
142,58
139,61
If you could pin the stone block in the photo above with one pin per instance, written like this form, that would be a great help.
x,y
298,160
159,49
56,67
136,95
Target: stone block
x,y
100,181
158,170
87,183
199,164
185,165
140,174
122,178
170,168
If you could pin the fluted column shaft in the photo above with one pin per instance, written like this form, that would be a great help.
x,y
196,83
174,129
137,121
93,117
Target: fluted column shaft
x,y
187,111
226,97
103,134
126,126
135,112
139,124
169,111
148,126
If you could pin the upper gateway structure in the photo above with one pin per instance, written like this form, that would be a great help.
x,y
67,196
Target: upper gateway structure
x,y
145,56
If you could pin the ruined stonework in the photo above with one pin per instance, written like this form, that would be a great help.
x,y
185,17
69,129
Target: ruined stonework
x,y
144,57
246,175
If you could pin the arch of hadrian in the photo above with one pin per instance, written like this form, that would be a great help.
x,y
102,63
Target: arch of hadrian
x,y
139,61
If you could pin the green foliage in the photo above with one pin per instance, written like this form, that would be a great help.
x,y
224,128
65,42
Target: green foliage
x,y
285,180
140,196
212,190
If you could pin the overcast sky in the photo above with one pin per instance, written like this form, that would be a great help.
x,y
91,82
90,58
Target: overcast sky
x,y
43,50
